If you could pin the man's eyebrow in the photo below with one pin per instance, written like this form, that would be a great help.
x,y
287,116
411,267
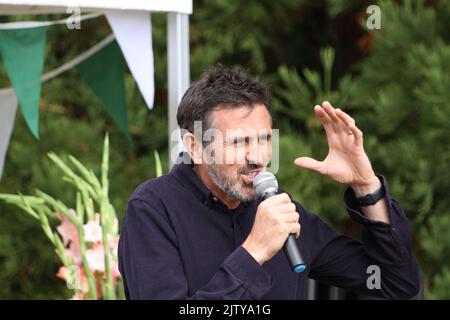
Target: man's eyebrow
x,y
238,138
244,137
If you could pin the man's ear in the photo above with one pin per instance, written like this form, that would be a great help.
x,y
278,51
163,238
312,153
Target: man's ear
x,y
194,147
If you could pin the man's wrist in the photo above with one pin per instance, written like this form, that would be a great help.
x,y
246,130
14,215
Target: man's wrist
x,y
254,253
371,186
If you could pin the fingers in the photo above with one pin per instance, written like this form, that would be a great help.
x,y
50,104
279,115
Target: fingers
x,y
292,224
349,121
291,217
284,212
340,121
310,164
295,228
330,111
278,199
328,117
358,136
286,208
351,125
323,116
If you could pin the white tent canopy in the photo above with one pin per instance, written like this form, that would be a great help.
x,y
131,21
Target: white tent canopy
x,y
60,6
177,35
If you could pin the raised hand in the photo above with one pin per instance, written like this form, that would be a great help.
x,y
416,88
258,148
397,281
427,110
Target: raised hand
x,y
346,161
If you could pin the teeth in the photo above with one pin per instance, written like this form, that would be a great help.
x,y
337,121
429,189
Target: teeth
x,y
251,174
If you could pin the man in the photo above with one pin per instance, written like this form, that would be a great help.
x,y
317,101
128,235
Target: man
x,y
201,232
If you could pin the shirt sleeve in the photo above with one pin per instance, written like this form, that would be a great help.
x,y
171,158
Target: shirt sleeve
x,y
347,263
151,266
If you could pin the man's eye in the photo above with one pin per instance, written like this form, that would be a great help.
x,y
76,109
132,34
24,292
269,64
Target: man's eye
x,y
264,139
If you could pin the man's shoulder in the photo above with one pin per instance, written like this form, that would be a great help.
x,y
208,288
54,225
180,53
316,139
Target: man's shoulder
x,y
151,189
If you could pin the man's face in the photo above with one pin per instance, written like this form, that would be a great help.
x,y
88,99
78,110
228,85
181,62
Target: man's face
x,y
240,149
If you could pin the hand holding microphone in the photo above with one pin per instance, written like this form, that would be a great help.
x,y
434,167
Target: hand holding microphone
x,y
275,225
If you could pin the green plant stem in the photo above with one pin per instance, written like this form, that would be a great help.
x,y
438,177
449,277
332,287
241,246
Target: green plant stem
x,y
109,285
87,270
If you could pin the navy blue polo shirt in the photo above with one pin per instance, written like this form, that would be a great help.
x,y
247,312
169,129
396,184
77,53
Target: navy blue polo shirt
x,y
178,241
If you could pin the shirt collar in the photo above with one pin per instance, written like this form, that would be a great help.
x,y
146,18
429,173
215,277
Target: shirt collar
x,y
183,171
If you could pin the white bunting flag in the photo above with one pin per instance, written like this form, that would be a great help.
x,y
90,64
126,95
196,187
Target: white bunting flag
x,y
8,108
133,32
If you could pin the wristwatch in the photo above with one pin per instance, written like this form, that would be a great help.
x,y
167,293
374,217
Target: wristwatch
x,y
372,198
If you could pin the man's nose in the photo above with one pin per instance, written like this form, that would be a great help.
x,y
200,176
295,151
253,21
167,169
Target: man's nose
x,y
257,154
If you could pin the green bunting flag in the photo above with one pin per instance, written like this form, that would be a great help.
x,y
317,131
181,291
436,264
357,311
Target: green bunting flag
x,y
22,51
104,74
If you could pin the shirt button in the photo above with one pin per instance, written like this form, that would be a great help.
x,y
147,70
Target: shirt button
x,y
215,199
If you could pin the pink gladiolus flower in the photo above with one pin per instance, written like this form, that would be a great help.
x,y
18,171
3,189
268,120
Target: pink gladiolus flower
x,y
73,252
95,255
63,273
115,269
75,276
96,258
77,296
113,242
84,285
93,230
67,229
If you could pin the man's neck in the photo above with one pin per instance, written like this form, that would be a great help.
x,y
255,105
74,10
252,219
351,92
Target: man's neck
x,y
215,190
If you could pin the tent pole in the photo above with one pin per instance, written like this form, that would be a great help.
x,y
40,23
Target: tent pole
x,y
178,73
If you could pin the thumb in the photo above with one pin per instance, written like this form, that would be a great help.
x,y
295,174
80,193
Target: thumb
x,y
310,164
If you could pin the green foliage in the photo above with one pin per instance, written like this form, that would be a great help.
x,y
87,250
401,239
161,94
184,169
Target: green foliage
x,y
302,134
72,122
91,198
403,99
263,34
435,246
399,98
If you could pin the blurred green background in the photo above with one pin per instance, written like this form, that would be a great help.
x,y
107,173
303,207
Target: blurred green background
x,y
394,81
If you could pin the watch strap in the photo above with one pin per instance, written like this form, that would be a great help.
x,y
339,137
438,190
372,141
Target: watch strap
x,y
372,198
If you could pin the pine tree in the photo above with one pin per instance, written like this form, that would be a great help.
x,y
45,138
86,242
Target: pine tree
x,y
399,98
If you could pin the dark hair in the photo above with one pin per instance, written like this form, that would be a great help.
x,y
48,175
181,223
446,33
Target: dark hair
x,y
219,87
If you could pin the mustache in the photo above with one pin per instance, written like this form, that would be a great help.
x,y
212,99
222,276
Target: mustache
x,y
250,166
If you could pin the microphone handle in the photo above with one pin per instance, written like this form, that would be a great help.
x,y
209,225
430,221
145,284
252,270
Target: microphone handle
x,y
290,248
293,254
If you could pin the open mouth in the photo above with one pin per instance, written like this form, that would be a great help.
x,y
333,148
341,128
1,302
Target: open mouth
x,y
249,176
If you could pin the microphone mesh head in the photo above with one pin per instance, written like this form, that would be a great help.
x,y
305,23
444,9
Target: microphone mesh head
x,y
265,182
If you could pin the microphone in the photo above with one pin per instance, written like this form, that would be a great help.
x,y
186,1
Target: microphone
x,y
266,186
